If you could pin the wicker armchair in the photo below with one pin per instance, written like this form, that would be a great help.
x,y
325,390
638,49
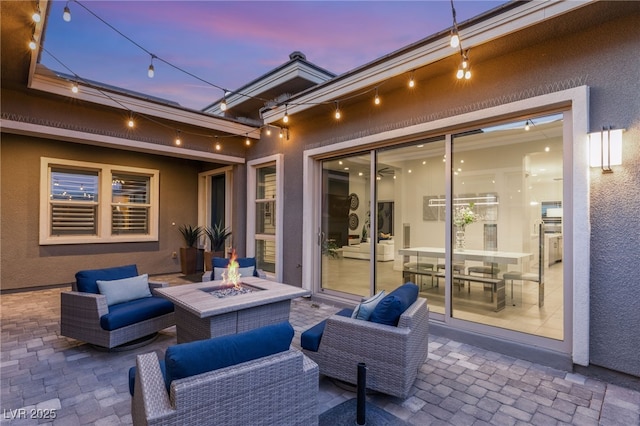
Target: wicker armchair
x,y
393,355
81,311
276,389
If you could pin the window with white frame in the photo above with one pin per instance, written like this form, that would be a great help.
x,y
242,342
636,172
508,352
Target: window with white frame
x,y
85,202
264,214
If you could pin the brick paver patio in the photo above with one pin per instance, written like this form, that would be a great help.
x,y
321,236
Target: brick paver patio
x,y
458,384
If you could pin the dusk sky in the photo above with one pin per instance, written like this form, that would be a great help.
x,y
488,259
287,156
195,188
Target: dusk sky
x,y
230,43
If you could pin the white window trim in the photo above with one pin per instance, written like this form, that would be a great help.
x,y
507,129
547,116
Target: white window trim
x,y
252,167
105,172
576,202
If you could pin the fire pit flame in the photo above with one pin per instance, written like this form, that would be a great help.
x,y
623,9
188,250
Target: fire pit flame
x,y
231,275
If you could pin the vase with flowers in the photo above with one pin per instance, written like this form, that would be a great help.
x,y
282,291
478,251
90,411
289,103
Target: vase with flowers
x,y
462,217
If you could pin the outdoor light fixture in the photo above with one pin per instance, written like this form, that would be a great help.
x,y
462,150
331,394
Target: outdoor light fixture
x,y
337,114
605,148
36,15
178,139
223,104
526,125
247,141
455,39
131,123
285,119
66,15
412,82
74,88
151,71
33,44
376,100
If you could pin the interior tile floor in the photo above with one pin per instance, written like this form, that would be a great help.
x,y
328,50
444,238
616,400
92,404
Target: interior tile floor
x,y
521,313
458,384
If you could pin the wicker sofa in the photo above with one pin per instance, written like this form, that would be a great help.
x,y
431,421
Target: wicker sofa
x,y
393,353
280,387
87,315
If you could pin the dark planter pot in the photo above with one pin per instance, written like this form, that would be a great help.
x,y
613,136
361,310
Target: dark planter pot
x,y
188,260
208,258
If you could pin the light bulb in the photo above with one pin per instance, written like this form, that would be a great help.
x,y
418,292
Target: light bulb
x,y
36,16
455,39
33,44
465,64
131,123
526,126
151,71
338,115
218,146
412,83
467,75
74,88
281,135
460,73
178,141
66,15
247,142
285,119
376,100
223,105
268,131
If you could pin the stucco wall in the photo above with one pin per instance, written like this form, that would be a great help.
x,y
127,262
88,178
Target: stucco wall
x,y
27,264
567,54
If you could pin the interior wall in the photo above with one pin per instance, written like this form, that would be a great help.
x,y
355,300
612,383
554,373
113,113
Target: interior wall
x,y
26,264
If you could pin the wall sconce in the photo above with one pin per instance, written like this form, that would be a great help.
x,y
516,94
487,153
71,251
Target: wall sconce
x,y
605,148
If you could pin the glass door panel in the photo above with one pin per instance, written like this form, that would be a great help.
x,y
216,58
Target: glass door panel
x,y
345,227
410,188
501,177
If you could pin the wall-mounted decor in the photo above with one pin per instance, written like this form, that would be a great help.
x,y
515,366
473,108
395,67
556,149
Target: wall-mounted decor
x,y
353,221
429,211
354,201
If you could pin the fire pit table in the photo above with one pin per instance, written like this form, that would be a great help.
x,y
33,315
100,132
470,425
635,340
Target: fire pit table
x,y
210,309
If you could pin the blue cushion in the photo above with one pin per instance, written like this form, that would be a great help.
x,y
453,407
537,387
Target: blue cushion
x,y
364,310
310,339
243,262
189,359
132,376
86,280
124,290
393,305
135,311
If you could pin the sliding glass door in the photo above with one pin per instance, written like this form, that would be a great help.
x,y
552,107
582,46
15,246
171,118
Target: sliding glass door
x,y
345,234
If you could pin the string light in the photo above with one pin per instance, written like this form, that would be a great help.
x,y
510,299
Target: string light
x,y
455,39
281,135
376,99
223,104
74,88
33,44
178,140
131,123
36,15
151,71
218,146
338,115
247,141
268,131
66,15
285,119
412,82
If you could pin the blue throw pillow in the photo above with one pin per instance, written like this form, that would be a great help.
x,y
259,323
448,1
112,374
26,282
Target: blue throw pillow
x,y
189,359
86,280
364,310
393,305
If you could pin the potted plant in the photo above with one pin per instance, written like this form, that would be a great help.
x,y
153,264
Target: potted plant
x,y
217,234
189,254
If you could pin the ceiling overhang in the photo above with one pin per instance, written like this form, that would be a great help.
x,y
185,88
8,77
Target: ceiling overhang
x,y
475,32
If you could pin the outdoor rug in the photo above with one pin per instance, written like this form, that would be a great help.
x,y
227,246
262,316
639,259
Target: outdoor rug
x,y
345,414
